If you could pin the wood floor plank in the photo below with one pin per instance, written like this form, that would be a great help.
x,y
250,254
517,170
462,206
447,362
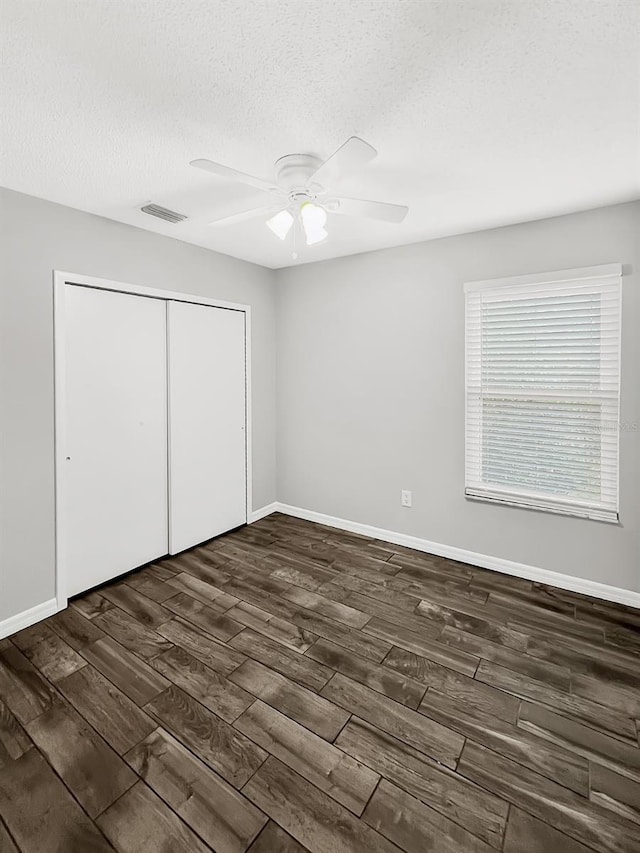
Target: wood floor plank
x,y
222,747
625,701
380,609
92,771
211,621
624,758
26,693
218,813
74,629
14,741
308,621
147,584
578,708
464,689
420,644
473,624
383,679
54,658
595,659
211,689
527,834
31,636
414,826
566,811
128,672
201,565
627,639
430,737
204,647
202,590
111,713
144,642
349,638
520,612
271,626
161,571
541,599
41,813
257,577
297,667
615,792
509,740
384,586
321,763
6,842
485,579
249,593
146,611
349,616
471,694
450,591
312,817
368,569
481,813
607,612
91,604
139,822
273,839
549,673
317,551
409,559
437,578
291,699
301,574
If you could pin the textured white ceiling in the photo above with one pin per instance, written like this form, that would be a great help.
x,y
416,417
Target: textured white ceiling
x,y
484,112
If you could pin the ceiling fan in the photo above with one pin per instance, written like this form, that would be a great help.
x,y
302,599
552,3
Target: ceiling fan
x,y
299,195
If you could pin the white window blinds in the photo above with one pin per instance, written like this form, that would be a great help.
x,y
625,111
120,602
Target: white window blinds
x,y
542,391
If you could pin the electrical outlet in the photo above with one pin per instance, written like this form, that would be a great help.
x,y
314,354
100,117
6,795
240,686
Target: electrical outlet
x,y
405,498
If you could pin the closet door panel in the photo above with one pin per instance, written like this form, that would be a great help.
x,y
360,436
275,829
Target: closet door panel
x,y
116,434
207,416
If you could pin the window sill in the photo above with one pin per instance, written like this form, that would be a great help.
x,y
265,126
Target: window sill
x,y
608,516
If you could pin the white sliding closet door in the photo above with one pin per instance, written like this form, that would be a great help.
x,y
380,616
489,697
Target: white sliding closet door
x,y
115,436
207,419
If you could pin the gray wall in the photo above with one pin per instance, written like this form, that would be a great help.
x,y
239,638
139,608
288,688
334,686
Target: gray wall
x,y
38,237
371,391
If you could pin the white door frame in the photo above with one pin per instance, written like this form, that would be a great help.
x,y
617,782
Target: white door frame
x,y
60,279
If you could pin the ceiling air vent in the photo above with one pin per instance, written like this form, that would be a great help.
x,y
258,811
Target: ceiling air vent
x,y
163,213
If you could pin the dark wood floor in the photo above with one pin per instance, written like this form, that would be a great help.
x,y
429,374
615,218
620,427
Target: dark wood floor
x,y
290,687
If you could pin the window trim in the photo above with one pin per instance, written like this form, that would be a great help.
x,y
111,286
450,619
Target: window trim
x,y
605,273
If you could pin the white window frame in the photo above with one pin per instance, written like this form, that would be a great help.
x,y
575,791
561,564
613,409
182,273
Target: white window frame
x,y
475,488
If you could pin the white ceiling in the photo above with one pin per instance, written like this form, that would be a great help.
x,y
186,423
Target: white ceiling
x,y
484,112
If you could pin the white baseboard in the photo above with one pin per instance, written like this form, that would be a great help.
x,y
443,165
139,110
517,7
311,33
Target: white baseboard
x,y
496,564
28,617
257,514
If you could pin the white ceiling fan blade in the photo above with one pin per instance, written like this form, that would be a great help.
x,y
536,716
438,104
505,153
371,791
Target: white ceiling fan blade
x,y
245,215
353,154
234,175
381,210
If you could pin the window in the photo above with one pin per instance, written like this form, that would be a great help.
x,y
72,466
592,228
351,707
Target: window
x,y
542,386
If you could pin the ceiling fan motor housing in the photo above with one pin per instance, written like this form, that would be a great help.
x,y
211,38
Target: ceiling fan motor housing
x,y
294,172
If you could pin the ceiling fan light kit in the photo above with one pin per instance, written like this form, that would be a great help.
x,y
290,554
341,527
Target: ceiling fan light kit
x,y
300,192
281,223
313,218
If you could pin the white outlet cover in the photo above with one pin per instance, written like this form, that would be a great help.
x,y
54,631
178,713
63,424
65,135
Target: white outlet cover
x,y
405,498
